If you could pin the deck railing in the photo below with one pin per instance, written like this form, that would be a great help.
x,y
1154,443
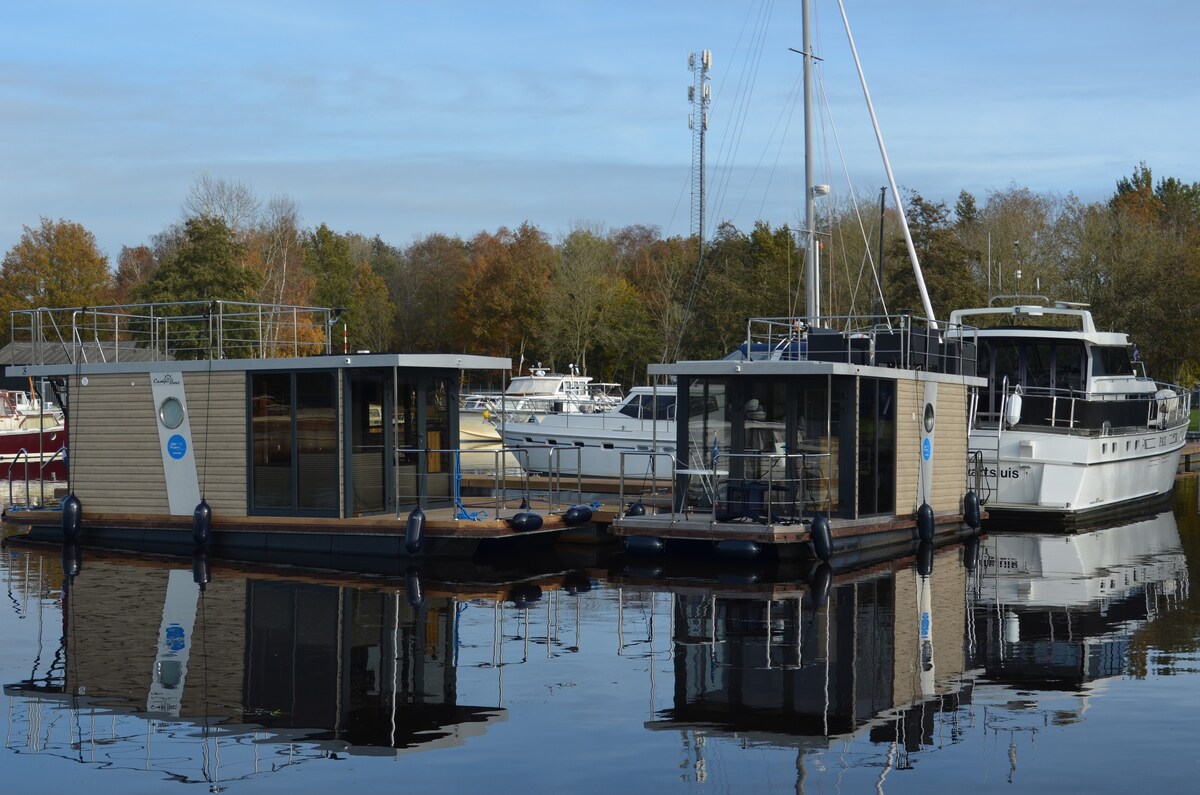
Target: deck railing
x,y
906,341
170,331
769,488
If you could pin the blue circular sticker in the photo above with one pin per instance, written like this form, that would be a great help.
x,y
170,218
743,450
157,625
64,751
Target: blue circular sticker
x,y
177,447
926,448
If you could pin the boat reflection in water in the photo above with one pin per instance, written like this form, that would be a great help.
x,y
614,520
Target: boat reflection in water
x,y
220,678
960,659
1061,610
915,656
796,665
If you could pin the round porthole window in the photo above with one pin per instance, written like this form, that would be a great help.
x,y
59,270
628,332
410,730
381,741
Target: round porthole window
x,y
928,418
170,413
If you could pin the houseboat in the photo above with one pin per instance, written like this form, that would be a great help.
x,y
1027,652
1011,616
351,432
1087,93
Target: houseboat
x,y
1070,428
224,432
816,442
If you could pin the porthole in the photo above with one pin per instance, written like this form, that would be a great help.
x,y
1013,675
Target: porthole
x,y
170,413
928,418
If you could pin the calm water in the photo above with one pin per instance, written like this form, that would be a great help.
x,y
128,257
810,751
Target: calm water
x,y
1053,664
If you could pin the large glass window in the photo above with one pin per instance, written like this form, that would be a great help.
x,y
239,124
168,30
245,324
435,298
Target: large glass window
x,y
876,447
293,443
369,459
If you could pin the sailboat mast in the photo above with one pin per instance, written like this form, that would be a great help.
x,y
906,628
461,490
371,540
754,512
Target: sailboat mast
x,y
926,304
811,256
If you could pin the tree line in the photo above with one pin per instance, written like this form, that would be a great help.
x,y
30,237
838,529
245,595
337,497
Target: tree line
x,y
613,301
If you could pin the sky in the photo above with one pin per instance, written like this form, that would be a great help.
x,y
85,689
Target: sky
x,y
403,119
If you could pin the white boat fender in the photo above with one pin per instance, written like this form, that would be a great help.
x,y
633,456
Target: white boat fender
x,y
1168,403
821,534
414,531
925,522
202,524
72,517
1012,410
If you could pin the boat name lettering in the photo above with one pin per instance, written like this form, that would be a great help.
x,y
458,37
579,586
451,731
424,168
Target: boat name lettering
x,y
166,378
989,472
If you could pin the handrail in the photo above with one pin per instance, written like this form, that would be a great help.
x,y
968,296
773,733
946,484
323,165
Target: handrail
x,y
174,330
25,455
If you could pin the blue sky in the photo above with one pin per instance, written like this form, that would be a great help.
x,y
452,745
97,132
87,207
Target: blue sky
x,y
406,118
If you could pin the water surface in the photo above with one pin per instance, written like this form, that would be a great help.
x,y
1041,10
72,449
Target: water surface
x,y
1040,663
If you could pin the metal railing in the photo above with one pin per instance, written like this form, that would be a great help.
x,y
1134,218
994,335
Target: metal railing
x,y
1093,414
169,331
905,341
24,455
770,488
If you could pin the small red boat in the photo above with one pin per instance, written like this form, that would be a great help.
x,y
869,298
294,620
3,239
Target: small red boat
x,y
33,438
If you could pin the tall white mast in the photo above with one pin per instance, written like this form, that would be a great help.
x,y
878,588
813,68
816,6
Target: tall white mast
x,y
811,254
912,251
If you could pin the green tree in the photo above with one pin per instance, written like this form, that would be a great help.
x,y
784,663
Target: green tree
x,y
55,264
371,312
327,259
945,263
207,266
425,285
580,298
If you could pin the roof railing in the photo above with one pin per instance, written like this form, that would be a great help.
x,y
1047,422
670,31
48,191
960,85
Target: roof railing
x,y
170,331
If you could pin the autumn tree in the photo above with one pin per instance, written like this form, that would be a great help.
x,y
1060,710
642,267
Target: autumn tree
x,y
503,290
134,266
56,264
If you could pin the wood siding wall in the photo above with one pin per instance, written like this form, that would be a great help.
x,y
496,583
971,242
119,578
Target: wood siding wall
x,y
949,450
219,438
116,462
947,620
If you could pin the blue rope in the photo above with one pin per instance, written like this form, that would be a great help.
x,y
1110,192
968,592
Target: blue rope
x,y
462,512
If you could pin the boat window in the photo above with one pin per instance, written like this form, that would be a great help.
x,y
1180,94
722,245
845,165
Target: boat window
x,y
293,439
634,407
664,408
1008,362
1068,366
1111,360
1037,364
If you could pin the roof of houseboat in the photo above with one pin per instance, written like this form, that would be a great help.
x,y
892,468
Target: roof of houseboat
x,y
198,336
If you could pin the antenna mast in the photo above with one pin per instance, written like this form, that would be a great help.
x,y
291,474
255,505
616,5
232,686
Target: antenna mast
x,y
699,95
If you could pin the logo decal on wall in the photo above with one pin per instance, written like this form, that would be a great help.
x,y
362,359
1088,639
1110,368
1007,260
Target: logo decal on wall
x,y
177,447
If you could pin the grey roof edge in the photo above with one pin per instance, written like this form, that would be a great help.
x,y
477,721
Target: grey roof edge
x,y
406,361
